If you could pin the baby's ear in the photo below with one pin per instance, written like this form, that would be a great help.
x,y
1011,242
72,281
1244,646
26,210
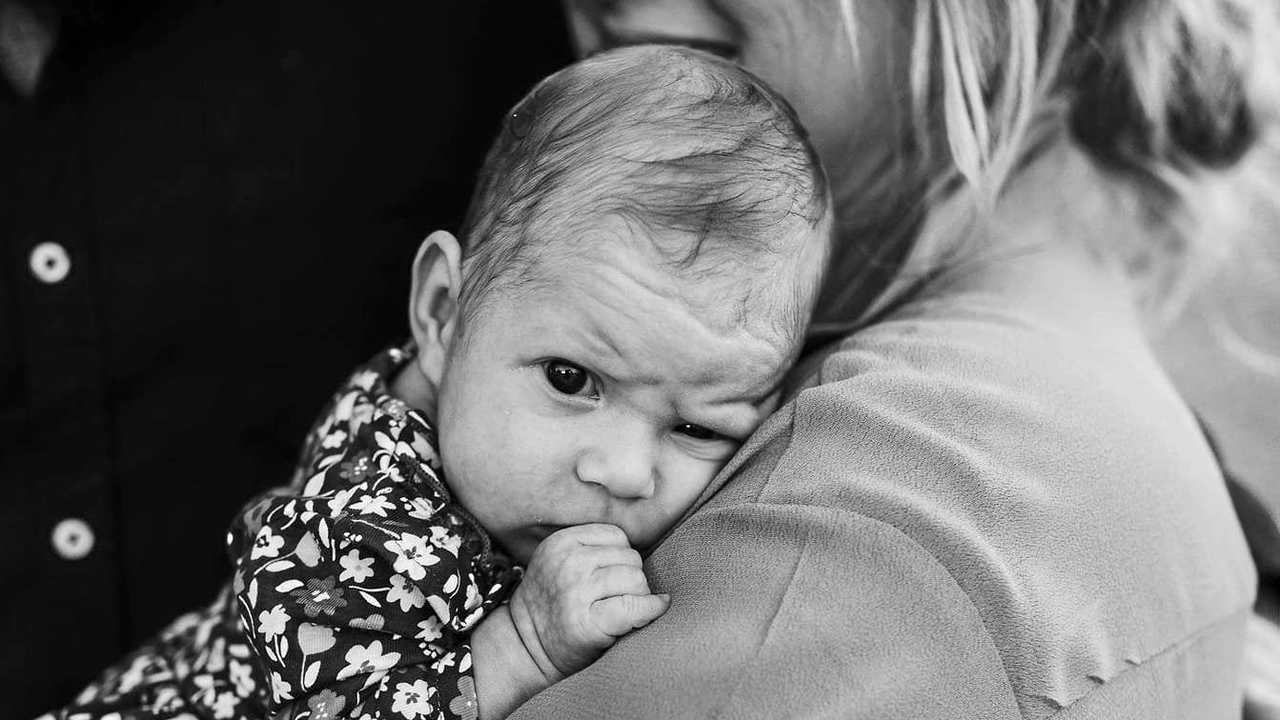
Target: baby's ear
x,y
433,300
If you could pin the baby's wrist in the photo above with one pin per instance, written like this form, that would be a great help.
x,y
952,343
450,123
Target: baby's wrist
x,y
527,632
506,674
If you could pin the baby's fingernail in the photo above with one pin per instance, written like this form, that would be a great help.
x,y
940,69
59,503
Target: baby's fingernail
x,y
666,597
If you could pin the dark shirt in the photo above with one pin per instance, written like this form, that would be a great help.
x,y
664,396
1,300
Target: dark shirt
x,y
193,182
358,586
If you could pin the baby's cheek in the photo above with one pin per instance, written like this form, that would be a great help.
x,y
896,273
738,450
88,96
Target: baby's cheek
x,y
478,466
682,485
692,473
521,463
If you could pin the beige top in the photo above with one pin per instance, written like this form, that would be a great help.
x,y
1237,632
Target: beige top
x,y
991,504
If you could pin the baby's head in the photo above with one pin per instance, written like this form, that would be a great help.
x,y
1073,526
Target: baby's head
x,y
641,259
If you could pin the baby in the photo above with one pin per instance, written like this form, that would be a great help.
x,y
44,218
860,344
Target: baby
x,y
641,257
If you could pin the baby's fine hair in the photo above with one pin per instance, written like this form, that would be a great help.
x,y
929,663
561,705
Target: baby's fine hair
x,y
678,142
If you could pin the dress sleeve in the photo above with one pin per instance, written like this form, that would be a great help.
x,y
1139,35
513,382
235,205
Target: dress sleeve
x,y
197,667
794,611
360,589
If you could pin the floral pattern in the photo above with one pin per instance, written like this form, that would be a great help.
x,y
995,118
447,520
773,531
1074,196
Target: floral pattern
x,y
354,592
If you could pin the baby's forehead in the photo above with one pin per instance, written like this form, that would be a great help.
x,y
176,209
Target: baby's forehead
x,y
766,292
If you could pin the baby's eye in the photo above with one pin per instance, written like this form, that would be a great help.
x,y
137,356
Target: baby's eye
x,y
567,378
697,432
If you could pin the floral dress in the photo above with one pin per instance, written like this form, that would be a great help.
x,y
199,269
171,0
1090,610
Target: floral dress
x,y
354,592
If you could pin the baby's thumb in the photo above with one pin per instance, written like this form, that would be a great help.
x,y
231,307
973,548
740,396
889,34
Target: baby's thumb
x,y
620,614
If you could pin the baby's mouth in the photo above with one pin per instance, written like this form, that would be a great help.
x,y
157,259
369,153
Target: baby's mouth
x,y
542,530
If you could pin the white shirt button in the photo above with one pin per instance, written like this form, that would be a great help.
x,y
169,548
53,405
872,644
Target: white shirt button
x,y
72,539
49,262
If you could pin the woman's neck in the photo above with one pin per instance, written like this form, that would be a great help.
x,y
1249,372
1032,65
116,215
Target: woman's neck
x,y
1060,213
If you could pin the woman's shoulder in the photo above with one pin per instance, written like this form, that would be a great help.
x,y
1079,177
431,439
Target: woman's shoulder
x,y
1049,469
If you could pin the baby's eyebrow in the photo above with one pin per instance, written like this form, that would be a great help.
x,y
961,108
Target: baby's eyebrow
x,y
737,418
743,424
601,348
772,390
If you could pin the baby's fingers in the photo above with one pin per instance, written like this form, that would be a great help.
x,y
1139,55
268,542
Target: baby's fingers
x,y
597,534
619,580
618,615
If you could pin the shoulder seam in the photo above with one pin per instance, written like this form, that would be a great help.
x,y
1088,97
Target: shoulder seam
x,y
1170,648
898,532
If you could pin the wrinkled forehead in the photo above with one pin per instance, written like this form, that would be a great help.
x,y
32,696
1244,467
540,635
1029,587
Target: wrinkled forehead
x,y
635,322
763,288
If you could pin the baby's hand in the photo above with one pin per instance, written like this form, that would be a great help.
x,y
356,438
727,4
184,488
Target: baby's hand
x,y
583,589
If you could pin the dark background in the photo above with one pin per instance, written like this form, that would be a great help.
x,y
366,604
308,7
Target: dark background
x,y
240,187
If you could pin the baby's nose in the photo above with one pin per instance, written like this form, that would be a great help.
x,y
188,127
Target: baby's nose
x,y
624,467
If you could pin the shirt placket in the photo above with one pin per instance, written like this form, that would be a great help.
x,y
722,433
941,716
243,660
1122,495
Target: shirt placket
x,y
58,471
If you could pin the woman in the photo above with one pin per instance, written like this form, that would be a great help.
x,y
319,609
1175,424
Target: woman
x,y
985,499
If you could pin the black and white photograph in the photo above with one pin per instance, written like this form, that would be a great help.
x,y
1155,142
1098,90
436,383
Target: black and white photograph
x,y
640,359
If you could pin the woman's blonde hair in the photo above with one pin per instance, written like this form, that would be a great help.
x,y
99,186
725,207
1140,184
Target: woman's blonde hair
x,y
1161,93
